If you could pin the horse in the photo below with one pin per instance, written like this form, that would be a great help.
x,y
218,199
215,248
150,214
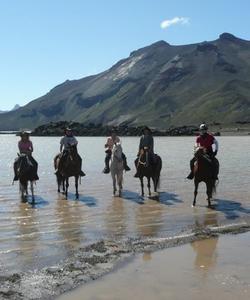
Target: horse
x,y
68,165
26,173
116,168
204,172
147,168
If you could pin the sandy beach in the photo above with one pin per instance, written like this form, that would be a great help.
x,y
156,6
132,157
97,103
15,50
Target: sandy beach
x,y
215,268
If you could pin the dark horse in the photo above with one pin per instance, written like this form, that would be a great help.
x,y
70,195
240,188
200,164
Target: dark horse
x,y
204,171
148,167
27,172
69,166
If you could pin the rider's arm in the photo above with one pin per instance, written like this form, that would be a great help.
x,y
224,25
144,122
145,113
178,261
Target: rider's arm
x,y
31,147
216,145
141,145
152,144
61,144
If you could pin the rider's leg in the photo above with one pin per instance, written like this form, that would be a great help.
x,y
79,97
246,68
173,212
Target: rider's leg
x,y
106,170
15,166
216,167
125,165
191,174
81,173
136,166
35,164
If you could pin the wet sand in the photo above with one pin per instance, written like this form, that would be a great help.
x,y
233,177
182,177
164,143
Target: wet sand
x,y
215,268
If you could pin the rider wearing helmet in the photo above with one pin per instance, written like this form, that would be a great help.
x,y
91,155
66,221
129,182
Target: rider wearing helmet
x,y
66,142
146,142
206,140
25,146
111,140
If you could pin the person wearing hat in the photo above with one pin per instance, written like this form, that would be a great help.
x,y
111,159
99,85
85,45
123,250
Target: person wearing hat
x,y
111,141
25,146
206,140
146,141
67,141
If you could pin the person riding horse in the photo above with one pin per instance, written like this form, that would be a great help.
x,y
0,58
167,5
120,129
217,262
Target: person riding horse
x,y
206,140
25,146
146,142
67,141
111,141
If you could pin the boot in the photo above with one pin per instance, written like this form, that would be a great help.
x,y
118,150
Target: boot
x,y
82,173
190,175
125,165
106,170
136,175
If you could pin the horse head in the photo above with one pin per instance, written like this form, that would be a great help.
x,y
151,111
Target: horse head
x,y
117,151
199,152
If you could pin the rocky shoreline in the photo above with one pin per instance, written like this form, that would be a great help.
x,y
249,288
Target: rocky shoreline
x,y
56,129
91,262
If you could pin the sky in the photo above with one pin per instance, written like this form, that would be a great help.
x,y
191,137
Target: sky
x,y
45,42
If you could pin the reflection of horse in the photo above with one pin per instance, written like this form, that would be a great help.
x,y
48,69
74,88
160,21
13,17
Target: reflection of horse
x,y
150,167
116,167
68,165
26,173
203,171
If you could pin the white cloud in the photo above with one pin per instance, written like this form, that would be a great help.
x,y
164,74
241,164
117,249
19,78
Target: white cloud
x,y
176,20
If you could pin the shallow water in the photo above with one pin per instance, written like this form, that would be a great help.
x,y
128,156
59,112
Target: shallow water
x,y
33,236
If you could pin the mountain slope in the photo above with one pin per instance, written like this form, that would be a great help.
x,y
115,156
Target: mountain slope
x,y
160,85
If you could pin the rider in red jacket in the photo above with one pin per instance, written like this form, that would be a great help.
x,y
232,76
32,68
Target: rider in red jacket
x,y
206,140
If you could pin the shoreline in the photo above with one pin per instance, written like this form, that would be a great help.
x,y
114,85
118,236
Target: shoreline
x,y
91,262
216,268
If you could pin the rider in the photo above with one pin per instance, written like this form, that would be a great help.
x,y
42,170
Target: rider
x,y
111,140
25,146
146,141
66,142
206,140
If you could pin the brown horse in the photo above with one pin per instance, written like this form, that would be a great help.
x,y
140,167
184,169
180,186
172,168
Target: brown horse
x,y
149,167
26,173
68,165
204,171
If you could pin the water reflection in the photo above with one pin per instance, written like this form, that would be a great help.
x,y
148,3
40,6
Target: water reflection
x,y
28,233
116,218
70,227
149,218
206,255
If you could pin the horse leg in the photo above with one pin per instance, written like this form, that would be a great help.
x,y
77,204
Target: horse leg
x,y
209,192
149,186
114,183
63,184
119,179
58,183
67,187
196,183
142,187
76,185
32,191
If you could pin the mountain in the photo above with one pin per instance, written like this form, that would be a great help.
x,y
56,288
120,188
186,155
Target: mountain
x,y
160,85
14,108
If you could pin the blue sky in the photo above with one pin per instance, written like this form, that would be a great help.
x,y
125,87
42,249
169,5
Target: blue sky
x,y
45,42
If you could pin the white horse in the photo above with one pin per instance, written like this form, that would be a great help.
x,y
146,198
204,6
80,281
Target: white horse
x,y
116,168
